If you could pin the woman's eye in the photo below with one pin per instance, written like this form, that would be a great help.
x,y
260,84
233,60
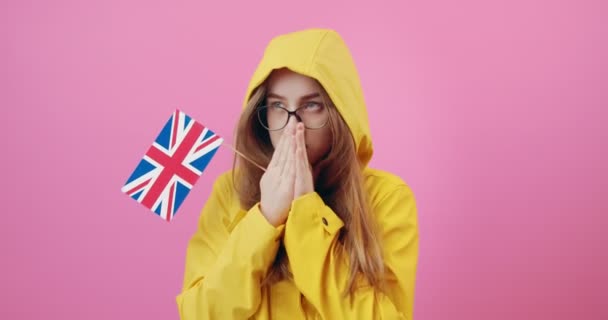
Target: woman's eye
x,y
312,105
276,104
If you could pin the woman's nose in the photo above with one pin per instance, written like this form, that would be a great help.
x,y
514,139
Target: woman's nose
x,y
291,123
295,115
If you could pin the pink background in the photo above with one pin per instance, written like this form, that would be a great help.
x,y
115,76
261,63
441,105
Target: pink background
x,y
493,111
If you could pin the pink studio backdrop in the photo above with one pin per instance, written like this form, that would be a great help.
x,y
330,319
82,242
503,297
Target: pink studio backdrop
x,y
493,111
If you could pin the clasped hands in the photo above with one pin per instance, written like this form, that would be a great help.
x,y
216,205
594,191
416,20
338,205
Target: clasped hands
x,y
288,175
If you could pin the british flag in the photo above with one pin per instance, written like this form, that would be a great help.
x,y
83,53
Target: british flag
x,y
172,165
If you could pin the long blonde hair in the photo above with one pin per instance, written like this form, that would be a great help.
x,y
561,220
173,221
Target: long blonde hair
x,y
340,184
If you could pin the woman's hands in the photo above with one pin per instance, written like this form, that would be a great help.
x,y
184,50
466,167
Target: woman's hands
x,y
288,175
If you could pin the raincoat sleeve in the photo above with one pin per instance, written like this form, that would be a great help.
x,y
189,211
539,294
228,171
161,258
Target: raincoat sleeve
x,y
321,273
225,264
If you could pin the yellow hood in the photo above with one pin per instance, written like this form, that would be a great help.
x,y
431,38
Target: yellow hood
x,y
321,54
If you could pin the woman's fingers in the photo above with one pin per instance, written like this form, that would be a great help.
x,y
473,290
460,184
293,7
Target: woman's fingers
x,y
275,153
302,165
288,157
303,183
298,148
289,170
280,155
289,146
302,144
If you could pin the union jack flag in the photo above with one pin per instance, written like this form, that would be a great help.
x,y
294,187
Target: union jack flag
x,y
172,165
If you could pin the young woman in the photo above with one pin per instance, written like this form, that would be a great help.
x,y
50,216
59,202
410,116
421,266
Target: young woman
x,y
318,234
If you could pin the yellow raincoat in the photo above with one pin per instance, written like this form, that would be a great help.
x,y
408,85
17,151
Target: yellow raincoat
x,y
233,248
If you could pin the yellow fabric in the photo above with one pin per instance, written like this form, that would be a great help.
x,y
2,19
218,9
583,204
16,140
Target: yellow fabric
x,y
233,248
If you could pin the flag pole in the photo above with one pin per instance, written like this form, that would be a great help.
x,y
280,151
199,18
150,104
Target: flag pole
x,y
244,156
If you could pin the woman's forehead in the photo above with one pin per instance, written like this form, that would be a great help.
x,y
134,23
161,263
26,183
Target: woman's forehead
x,y
284,82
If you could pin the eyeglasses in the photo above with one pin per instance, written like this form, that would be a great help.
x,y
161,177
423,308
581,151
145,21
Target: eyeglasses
x,y
314,115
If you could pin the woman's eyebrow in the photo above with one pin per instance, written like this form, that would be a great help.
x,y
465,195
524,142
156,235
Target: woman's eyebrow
x,y
305,97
